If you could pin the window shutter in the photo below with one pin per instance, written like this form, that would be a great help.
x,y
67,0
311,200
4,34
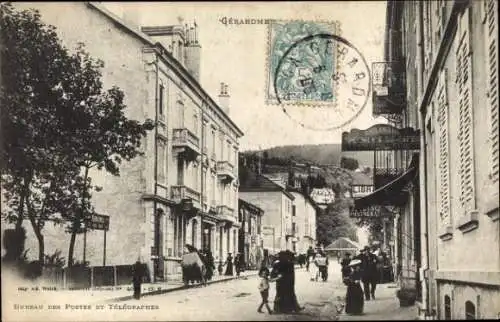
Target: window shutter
x,y
492,71
444,178
465,133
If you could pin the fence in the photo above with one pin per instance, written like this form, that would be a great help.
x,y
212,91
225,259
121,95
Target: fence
x,y
80,277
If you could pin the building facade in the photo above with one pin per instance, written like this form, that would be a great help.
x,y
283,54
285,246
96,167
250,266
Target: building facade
x,y
250,234
277,203
455,93
304,222
184,188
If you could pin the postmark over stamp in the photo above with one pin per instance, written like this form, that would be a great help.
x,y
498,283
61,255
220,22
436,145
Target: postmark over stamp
x,y
318,78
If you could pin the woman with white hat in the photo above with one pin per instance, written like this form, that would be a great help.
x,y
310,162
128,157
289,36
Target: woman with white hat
x,y
354,296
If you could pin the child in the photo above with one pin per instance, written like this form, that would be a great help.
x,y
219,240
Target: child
x,y
264,288
220,268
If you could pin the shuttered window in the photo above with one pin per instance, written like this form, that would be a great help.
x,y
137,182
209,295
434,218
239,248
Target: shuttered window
x,y
465,132
444,177
492,72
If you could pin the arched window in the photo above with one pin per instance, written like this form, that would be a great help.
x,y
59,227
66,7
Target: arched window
x,y
447,307
470,311
194,227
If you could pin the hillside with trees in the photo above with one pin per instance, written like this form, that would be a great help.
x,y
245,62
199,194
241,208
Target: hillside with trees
x,y
318,154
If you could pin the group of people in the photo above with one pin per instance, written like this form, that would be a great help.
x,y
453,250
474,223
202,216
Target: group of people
x,y
239,265
361,269
283,273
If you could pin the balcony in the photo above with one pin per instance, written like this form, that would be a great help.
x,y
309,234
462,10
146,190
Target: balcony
x,y
183,193
186,143
226,213
225,171
389,88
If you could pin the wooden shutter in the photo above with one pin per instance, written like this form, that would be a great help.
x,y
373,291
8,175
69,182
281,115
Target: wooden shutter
x,y
492,72
444,177
465,133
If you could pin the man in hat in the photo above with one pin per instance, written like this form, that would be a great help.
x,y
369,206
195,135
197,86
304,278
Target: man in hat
x,y
368,272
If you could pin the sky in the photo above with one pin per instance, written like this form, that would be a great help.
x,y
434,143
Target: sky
x,y
236,55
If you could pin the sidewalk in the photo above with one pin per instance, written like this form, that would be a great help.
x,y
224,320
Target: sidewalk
x,y
124,292
384,307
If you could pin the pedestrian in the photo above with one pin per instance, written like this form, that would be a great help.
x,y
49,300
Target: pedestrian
x,y
229,265
220,268
322,262
354,302
138,273
210,265
309,254
285,300
237,264
345,265
313,269
368,272
264,288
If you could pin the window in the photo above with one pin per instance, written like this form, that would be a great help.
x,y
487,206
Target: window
x,y
465,134
195,122
294,209
160,99
447,307
228,152
470,311
491,11
213,141
442,122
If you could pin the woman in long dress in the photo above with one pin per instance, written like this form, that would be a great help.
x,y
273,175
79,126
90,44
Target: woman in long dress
x,y
285,300
229,265
354,296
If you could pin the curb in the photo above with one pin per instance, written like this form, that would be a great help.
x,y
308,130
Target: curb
x,y
176,288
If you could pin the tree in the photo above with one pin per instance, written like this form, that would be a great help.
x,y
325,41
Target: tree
x,y
334,222
349,163
32,63
57,123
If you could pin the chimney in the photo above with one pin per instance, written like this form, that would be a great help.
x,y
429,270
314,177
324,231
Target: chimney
x,y
224,98
193,50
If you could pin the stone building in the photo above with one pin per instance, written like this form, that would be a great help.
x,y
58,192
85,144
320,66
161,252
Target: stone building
x,y
250,234
184,189
277,203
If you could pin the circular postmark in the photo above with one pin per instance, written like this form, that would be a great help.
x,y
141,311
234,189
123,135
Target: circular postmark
x,y
322,82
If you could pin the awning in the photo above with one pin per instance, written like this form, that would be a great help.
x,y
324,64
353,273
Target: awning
x,y
393,192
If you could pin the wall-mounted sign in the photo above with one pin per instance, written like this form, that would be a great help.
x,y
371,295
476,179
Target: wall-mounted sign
x,y
381,137
374,211
389,90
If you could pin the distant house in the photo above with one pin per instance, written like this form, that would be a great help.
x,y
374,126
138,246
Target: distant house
x,y
323,196
277,204
362,184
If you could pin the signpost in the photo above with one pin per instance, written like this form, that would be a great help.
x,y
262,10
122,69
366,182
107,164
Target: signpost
x,y
100,222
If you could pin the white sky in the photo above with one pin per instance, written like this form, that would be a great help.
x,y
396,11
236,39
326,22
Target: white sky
x,y
236,55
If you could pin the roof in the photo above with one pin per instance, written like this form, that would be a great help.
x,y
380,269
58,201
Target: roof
x,y
256,182
343,243
360,179
250,205
176,66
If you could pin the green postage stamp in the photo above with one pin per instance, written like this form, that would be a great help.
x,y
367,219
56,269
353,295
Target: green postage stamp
x,y
300,72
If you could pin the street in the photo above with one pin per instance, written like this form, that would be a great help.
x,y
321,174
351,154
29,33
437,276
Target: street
x,y
239,299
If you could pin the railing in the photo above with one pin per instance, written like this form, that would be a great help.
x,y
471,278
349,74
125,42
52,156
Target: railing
x,y
225,168
226,213
184,136
183,192
383,176
389,88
